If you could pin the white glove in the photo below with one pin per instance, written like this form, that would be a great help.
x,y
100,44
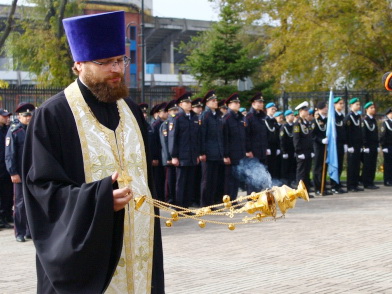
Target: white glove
x,y
345,148
366,150
350,150
301,156
285,156
312,154
378,149
324,141
277,152
268,151
385,150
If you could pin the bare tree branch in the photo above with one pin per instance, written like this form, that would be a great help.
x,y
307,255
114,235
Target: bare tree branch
x,y
9,24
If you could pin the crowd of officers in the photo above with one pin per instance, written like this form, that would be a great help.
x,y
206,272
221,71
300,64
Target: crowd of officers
x,y
198,144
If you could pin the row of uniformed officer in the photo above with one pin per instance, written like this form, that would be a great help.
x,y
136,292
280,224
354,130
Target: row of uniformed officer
x,y
386,145
13,160
6,186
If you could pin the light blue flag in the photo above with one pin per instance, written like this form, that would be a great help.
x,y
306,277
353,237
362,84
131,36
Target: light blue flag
x,y
332,154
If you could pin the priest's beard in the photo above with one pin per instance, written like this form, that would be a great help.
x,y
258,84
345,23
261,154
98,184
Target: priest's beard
x,y
102,90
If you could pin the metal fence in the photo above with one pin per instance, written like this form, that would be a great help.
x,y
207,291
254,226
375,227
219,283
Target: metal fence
x,y
13,95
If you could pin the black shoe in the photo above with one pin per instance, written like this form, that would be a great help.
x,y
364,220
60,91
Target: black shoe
x,y
360,189
339,191
388,184
28,237
372,187
20,239
353,190
311,196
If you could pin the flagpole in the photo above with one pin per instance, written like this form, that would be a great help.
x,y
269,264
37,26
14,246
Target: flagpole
x,y
324,168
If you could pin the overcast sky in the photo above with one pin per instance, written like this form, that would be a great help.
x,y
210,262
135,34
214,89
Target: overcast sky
x,y
191,9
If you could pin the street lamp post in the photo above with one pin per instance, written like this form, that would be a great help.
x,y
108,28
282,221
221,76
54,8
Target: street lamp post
x,y
142,47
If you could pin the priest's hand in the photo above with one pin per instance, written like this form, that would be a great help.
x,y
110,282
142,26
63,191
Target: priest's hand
x,y
155,162
122,196
16,179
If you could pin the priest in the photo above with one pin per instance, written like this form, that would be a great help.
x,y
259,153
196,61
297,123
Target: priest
x,y
85,159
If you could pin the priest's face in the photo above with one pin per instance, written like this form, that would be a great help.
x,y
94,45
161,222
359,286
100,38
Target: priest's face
x,y
105,80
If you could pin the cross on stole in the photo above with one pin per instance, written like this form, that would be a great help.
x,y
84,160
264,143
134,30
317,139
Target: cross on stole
x,y
124,180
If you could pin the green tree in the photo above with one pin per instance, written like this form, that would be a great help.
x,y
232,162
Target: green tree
x,y
41,46
314,45
219,54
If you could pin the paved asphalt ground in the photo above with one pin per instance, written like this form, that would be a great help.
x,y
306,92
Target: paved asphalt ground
x,y
334,244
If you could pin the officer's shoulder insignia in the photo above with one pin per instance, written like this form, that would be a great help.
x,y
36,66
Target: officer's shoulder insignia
x,y
296,129
7,141
281,133
171,126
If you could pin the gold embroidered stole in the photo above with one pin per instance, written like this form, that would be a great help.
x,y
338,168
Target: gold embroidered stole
x,y
105,152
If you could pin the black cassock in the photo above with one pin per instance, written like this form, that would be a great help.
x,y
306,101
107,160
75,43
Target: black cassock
x,y
77,235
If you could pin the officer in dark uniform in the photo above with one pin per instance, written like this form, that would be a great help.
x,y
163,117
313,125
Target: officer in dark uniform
x,y
150,131
13,160
170,170
197,108
303,145
211,151
184,148
353,123
144,107
222,107
273,150
153,113
289,162
341,143
256,134
320,141
157,167
370,146
386,145
6,187
234,142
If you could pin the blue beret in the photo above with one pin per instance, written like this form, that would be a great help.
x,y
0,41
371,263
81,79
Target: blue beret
x,y
269,105
242,109
288,112
337,99
278,113
367,105
311,111
96,36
